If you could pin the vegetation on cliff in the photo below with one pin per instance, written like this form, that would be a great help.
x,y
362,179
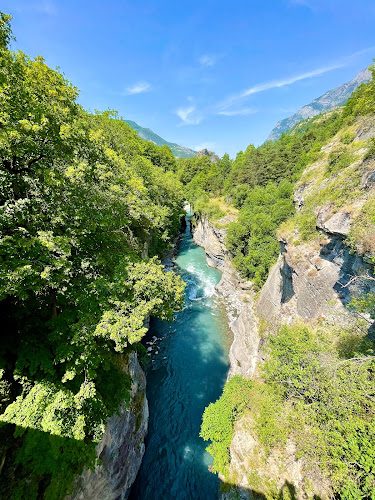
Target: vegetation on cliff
x,y
316,387
86,208
260,183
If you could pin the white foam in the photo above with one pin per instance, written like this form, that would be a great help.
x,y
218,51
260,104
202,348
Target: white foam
x,y
203,282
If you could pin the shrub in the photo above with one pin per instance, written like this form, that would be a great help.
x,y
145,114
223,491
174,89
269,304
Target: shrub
x,y
219,418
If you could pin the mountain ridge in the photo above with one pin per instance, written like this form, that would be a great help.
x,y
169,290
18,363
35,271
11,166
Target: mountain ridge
x,y
149,135
329,100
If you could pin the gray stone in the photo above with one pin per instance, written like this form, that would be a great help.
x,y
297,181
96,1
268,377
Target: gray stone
x,y
238,296
122,448
337,224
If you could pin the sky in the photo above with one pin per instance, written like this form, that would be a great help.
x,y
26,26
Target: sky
x,y
215,74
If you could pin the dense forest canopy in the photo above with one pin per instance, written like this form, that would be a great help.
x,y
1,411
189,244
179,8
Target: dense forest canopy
x,y
86,208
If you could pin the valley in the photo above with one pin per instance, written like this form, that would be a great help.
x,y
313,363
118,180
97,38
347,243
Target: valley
x,y
180,325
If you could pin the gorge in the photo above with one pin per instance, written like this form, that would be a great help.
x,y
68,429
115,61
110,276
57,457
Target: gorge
x,y
149,353
187,371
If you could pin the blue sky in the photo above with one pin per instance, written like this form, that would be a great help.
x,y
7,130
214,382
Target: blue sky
x,y
200,73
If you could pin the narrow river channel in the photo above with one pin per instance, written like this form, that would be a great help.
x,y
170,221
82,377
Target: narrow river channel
x,y
187,371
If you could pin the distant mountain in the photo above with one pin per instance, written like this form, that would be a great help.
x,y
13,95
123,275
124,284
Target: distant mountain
x,y
213,157
329,100
149,135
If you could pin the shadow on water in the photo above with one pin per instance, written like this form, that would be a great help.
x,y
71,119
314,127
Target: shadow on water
x,y
187,373
287,492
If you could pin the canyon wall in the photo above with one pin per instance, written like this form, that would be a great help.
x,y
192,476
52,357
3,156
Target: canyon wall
x,y
239,299
311,281
122,448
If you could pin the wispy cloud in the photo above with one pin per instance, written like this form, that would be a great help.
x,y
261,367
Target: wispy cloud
x,y
207,61
303,3
226,105
362,52
289,80
261,87
205,145
235,104
189,115
44,7
138,88
237,112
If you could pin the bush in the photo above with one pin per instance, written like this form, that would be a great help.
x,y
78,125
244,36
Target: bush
x,y
338,160
333,398
219,418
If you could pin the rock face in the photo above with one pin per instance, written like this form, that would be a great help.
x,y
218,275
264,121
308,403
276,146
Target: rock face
x,y
309,281
121,449
148,135
239,299
314,280
214,158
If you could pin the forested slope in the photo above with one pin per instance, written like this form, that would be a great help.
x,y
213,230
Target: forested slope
x,y
149,135
86,208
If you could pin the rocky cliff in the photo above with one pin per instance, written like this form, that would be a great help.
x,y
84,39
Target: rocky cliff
x,y
122,447
238,295
148,135
213,157
311,281
315,280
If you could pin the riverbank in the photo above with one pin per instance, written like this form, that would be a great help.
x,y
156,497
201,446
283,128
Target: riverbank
x,y
186,372
238,296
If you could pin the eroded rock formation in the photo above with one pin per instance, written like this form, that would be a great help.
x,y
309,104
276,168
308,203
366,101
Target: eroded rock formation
x,y
309,281
122,447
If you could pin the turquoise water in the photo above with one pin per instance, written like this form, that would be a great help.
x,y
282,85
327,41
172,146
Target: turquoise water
x,y
187,371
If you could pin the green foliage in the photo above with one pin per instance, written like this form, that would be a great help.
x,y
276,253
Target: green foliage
x,y
362,231
201,176
240,395
338,160
371,151
86,207
41,465
364,304
188,168
204,207
5,388
251,240
5,30
332,401
306,222
318,389
362,101
218,420
282,159
348,138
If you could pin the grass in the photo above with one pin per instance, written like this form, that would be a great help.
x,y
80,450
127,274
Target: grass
x,y
335,181
216,209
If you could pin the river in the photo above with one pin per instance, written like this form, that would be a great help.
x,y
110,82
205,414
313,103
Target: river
x,y
187,371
